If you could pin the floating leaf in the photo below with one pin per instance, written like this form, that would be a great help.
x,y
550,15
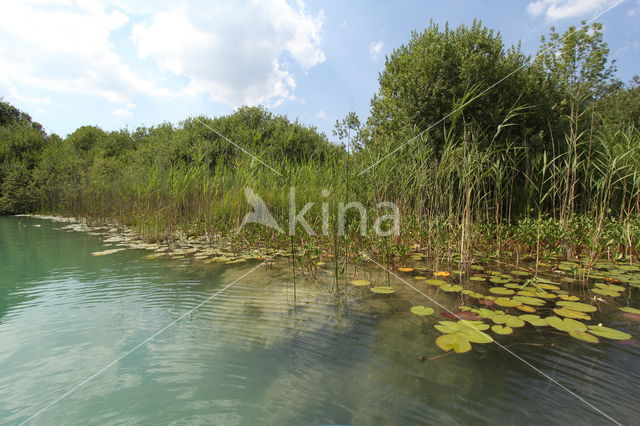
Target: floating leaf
x,y
419,277
486,302
573,325
476,278
609,333
460,344
545,286
360,283
501,290
556,323
582,335
571,313
435,282
477,267
499,280
569,297
451,287
467,316
506,302
526,308
605,292
442,274
528,300
534,320
577,306
475,336
405,269
383,290
610,287
422,311
630,310
499,329
520,273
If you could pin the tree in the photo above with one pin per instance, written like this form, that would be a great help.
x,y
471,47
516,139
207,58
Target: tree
x,y
425,80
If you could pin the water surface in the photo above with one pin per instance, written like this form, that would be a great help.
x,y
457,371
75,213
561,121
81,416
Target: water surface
x,y
247,357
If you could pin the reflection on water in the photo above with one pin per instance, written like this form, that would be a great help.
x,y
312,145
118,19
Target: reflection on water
x,y
247,357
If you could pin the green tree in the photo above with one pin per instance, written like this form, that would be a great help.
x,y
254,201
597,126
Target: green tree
x,y
441,70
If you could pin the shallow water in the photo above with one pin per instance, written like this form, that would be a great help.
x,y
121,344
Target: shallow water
x,y
247,357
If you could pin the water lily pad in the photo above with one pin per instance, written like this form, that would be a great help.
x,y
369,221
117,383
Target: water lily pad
x,y
573,325
507,303
608,333
528,300
630,310
605,292
405,269
383,290
545,286
569,297
499,280
568,313
441,274
435,282
476,278
526,308
419,277
500,329
534,320
501,290
556,323
577,306
610,287
475,336
451,287
456,342
360,283
422,311
477,267
582,335
520,273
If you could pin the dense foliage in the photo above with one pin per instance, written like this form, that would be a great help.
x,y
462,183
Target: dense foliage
x,y
474,141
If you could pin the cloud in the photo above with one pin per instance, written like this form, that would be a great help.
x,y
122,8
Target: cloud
x,y
320,114
375,48
122,113
247,52
554,10
235,53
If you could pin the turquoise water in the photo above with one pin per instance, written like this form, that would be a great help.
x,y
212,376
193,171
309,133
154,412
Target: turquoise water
x,y
246,357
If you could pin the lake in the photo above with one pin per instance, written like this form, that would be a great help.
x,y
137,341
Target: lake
x,y
79,344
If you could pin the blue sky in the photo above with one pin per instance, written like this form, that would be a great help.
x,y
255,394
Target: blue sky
x,y
128,63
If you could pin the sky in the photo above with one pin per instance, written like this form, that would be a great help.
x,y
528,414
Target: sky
x,y
127,63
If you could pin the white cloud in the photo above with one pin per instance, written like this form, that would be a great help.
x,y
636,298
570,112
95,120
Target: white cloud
x,y
233,52
320,114
244,52
634,11
375,48
122,113
554,10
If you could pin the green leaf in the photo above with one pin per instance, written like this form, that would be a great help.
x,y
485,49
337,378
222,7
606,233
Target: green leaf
x,y
383,290
456,342
499,329
582,335
609,333
630,310
577,306
422,311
